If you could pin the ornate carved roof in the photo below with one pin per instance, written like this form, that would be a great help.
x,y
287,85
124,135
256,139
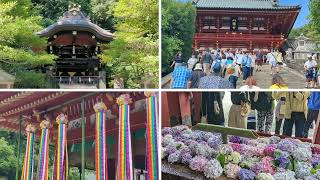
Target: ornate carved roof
x,y
75,20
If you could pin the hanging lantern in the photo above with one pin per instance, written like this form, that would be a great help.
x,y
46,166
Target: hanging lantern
x,y
27,171
124,167
43,159
101,150
152,136
62,151
234,24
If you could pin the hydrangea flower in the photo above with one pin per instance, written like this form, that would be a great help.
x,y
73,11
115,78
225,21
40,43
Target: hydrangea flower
x,y
264,166
198,163
174,157
249,162
303,169
203,150
234,158
231,170
166,140
213,169
164,153
264,176
286,175
315,149
214,142
315,161
237,147
186,158
282,159
235,139
274,140
225,149
302,154
287,145
166,130
269,149
263,140
245,174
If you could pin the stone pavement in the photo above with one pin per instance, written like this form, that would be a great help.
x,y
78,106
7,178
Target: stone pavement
x,y
293,78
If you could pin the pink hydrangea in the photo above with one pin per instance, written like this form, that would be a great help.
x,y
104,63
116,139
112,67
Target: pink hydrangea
x,y
269,149
231,170
264,166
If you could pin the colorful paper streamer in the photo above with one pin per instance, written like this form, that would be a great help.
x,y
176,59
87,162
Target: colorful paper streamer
x,y
62,151
124,167
100,144
27,171
43,158
152,137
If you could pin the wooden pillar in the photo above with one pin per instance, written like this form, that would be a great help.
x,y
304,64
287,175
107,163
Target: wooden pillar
x,y
18,152
185,108
170,109
218,24
197,107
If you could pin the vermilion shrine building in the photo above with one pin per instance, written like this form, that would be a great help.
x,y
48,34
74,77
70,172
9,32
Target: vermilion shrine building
x,y
246,24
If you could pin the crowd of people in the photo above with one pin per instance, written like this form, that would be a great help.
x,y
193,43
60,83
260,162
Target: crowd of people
x,y
218,69
259,110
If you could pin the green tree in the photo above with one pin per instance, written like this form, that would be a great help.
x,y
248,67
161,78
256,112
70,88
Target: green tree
x,y
102,13
7,158
178,28
133,54
18,40
314,6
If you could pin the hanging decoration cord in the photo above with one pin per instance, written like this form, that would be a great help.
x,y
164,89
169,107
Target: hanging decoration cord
x,y
124,168
62,151
27,171
101,149
43,157
151,136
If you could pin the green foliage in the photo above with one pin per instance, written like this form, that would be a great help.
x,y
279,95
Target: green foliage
x,y
314,6
133,54
102,13
178,28
7,158
31,80
18,38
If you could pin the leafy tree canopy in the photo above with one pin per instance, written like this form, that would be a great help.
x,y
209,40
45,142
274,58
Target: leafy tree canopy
x,y
18,39
178,28
133,54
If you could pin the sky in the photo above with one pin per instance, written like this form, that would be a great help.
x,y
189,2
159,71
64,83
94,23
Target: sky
x,y
303,15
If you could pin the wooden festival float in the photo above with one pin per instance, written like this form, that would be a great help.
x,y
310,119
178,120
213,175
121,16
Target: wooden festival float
x,y
85,129
76,42
182,107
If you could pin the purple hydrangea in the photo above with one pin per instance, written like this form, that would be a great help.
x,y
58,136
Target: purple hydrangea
x,y
303,169
213,169
235,139
274,140
315,161
166,130
198,163
302,154
245,174
287,145
214,142
283,160
186,158
174,157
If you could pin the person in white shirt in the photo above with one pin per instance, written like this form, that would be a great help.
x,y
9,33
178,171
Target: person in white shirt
x,y
273,62
191,62
310,68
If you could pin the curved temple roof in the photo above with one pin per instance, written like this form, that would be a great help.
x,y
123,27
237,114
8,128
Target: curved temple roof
x,y
75,20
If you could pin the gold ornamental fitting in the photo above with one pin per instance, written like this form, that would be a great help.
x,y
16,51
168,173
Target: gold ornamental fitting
x,y
100,107
124,99
62,119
